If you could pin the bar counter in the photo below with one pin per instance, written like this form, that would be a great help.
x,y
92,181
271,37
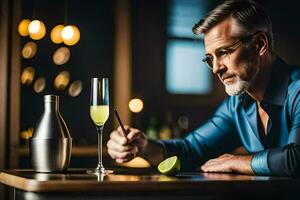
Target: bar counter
x,y
146,184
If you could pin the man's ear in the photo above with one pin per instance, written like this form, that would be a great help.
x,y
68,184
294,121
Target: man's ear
x,y
262,43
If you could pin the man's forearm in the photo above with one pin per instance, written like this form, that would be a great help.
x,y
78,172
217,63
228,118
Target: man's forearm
x,y
153,152
242,164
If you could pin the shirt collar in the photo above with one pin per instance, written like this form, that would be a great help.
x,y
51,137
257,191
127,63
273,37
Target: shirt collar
x,y
278,85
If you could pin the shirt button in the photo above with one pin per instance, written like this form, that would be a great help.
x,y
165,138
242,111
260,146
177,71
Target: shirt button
x,y
241,99
265,104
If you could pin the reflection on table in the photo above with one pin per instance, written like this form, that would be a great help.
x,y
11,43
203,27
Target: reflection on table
x,y
146,183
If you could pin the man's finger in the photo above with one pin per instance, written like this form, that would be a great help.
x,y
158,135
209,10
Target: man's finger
x,y
134,134
117,137
119,148
118,155
127,129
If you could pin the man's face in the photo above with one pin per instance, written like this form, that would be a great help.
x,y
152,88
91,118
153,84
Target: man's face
x,y
233,61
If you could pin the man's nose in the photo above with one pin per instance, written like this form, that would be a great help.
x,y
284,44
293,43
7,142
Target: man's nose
x,y
218,66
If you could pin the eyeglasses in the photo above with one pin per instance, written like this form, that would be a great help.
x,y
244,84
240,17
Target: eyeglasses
x,y
224,52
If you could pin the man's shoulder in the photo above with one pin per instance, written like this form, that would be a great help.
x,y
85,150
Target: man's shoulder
x,y
294,78
294,83
295,73
293,93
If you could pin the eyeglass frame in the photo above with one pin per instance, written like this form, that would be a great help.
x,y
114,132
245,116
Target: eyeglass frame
x,y
209,59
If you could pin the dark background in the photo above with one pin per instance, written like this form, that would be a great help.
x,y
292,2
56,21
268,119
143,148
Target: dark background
x,y
91,57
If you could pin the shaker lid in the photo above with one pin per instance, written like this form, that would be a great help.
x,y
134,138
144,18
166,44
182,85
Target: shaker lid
x,y
51,98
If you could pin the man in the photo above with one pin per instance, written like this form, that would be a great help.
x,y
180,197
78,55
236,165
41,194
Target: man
x,y
262,112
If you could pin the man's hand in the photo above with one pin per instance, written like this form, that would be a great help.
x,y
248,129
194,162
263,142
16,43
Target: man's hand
x,y
229,163
123,149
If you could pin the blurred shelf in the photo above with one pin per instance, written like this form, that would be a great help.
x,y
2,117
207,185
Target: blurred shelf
x,y
78,151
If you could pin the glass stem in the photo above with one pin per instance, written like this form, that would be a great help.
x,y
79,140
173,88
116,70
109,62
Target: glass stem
x,y
100,163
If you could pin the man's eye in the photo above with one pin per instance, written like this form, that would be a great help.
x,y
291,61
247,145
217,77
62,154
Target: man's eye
x,y
210,58
221,53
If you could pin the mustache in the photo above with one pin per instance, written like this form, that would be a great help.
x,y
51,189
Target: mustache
x,y
224,75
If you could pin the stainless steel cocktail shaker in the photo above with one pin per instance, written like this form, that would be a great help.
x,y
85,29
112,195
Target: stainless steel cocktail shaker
x,y
51,143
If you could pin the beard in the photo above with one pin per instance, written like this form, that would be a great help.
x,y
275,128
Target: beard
x,y
241,85
237,88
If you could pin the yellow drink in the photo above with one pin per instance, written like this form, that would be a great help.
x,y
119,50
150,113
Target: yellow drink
x,y
99,114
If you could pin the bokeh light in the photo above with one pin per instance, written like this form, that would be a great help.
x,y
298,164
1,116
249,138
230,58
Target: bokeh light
x,y
29,50
26,134
67,32
70,35
56,34
136,105
37,30
62,80
27,75
39,85
23,27
75,88
61,56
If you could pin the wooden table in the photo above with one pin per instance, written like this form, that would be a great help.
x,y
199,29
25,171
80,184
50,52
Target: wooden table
x,y
146,184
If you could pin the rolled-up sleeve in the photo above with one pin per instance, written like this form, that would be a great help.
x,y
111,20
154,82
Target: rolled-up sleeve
x,y
259,163
216,136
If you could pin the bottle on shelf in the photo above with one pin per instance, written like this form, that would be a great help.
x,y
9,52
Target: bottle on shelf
x,y
169,129
151,130
183,124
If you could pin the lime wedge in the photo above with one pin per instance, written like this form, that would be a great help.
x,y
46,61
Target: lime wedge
x,y
169,166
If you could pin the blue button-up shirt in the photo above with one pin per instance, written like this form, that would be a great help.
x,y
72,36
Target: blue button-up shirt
x,y
235,123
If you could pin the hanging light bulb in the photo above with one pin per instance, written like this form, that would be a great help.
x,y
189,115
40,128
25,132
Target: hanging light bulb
x,y
56,34
23,27
68,32
37,30
34,26
70,35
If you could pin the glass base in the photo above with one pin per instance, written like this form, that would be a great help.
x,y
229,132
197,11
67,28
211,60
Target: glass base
x,y
101,171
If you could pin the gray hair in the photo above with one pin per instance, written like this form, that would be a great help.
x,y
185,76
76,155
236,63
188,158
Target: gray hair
x,y
249,15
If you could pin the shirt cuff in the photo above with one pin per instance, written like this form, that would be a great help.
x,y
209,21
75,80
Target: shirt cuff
x,y
164,147
259,163
171,147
